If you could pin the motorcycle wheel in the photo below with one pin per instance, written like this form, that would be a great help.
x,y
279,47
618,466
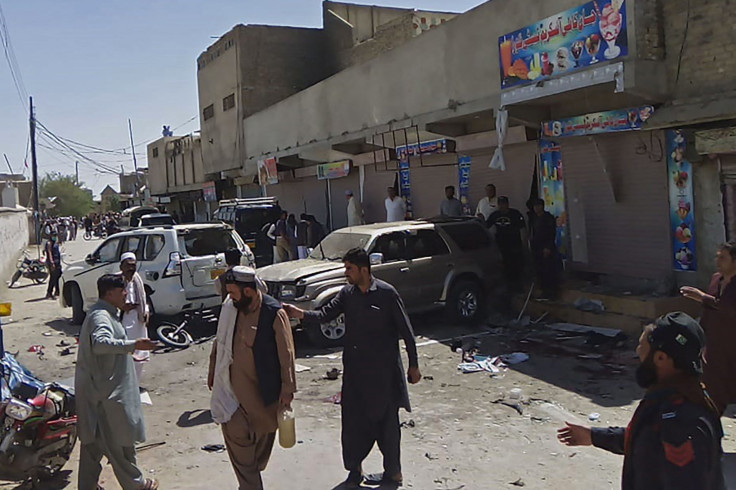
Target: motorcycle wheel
x,y
15,278
167,333
40,280
87,236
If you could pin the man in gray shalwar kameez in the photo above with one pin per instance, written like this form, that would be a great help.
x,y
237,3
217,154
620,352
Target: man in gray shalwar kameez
x,y
107,394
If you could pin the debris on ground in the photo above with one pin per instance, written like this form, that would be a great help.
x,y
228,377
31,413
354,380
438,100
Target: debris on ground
x,y
514,358
518,483
410,424
594,417
335,399
214,448
585,329
301,369
493,365
430,457
332,374
36,348
590,305
516,405
67,351
47,334
149,446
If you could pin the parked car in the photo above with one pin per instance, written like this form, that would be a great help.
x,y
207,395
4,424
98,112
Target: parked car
x,y
250,217
178,265
131,217
440,263
156,219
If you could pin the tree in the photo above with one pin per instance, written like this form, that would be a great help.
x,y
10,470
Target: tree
x,y
71,198
114,204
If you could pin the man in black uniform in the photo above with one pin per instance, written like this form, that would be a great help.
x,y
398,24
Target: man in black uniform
x,y
544,248
509,225
374,383
674,439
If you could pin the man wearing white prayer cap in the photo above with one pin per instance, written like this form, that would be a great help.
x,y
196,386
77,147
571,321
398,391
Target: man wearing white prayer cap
x,y
251,374
355,209
135,311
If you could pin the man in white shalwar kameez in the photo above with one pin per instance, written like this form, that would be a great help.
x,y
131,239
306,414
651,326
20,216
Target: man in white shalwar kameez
x,y
107,396
135,311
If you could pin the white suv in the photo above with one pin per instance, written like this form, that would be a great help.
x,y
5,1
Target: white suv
x,y
178,265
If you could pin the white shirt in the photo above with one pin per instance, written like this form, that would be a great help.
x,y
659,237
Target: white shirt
x,y
486,207
355,212
395,209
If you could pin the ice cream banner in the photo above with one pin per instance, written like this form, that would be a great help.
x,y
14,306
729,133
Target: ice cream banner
x,y
599,122
682,209
572,40
463,166
405,186
552,188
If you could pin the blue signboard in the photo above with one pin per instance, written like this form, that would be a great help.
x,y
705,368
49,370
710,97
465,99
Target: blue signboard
x,y
682,206
463,166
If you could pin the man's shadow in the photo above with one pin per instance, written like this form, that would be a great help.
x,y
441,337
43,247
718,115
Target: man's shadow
x,y
189,419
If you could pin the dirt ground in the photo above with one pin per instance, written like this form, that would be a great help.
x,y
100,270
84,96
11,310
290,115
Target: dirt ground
x,y
459,436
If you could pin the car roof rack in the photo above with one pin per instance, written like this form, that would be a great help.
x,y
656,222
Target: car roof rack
x,y
250,200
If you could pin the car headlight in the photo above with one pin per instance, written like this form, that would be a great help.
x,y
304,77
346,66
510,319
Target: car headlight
x,y
18,410
288,291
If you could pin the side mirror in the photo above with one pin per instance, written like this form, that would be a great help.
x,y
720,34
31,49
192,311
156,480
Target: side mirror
x,y
376,258
90,259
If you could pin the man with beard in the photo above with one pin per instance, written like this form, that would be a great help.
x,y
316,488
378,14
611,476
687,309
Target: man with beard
x,y
251,374
374,384
719,319
674,439
135,309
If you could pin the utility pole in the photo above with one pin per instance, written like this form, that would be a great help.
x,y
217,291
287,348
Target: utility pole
x,y
8,162
34,168
135,162
76,172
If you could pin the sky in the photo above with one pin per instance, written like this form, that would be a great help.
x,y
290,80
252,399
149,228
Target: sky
x,y
90,65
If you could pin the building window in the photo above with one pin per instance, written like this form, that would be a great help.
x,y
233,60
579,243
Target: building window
x,y
155,152
228,102
208,112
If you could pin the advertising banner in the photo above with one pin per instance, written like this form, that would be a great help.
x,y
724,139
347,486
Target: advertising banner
x,y
209,191
682,209
598,122
333,170
268,174
405,186
552,188
572,40
463,166
425,147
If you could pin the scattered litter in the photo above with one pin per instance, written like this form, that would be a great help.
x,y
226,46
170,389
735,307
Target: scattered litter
x,y
333,374
410,424
591,305
574,328
470,367
453,339
594,417
332,357
335,399
191,363
544,315
515,393
146,398
67,351
300,369
515,405
47,334
63,343
514,358
214,448
149,446
429,378
36,348
430,457
493,365
518,483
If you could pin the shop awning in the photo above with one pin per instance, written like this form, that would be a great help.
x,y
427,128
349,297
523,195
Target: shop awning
x,y
679,115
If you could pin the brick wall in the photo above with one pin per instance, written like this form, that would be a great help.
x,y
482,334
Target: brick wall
x,y
387,37
650,30
708,46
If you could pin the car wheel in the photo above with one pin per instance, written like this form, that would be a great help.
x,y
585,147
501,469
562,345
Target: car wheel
x,y
464,302
329,334
78,313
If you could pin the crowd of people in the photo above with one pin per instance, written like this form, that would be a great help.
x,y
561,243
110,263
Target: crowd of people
x,y
292,239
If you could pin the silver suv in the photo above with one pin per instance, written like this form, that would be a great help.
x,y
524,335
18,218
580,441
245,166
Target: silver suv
x,y
435,263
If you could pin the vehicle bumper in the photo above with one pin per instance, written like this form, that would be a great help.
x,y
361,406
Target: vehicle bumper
x,y
174,302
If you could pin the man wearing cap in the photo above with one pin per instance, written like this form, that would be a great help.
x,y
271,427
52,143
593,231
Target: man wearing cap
x,y
53,262
135,309
509,225
251,374
355,209
674,438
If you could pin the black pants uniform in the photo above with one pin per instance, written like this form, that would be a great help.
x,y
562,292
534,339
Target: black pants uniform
x,y
54,276
361,431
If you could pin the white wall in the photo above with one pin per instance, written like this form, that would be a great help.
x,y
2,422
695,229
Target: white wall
x,y
13,240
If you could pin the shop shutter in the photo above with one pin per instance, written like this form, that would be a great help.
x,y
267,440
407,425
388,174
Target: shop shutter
x,y
339,203
515,182
377,179
629,236
728,169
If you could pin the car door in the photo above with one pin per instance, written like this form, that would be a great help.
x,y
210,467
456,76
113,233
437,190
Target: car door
x,y
430,261
203,259
106,261
395,268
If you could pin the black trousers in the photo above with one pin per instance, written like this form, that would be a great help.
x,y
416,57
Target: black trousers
x,y
548,271
361,432
513,264
54,276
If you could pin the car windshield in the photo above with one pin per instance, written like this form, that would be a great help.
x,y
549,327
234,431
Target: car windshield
x,y
336,245
251,220
207,241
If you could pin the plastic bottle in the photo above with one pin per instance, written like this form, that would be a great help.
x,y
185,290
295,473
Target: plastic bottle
x,y
287,428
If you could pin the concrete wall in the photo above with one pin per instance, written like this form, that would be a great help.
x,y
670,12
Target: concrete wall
x,y
13,239
365,19
157,166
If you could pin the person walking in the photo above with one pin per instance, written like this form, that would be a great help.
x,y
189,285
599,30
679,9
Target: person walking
x,y
283,242
107,393
547,261
488,205
719,322
53,262
355,209
291,227
251,374
451,206
509,225
302,236
674,438
374,383
395,207
135,310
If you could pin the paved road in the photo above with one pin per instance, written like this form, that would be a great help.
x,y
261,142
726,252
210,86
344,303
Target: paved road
x,y
457,437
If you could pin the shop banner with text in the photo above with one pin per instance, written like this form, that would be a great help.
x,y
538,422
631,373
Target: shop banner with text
x,y
268,174
598,122
463,166
572,40
405,186
333,170
209,191
552,188
424,148
682,207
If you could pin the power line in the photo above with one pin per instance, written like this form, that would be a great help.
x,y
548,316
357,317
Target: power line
x,y
12,61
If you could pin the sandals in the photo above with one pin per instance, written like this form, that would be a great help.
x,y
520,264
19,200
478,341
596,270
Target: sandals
x,y
150,484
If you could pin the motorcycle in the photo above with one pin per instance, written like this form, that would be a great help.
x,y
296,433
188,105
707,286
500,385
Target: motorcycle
x,y
39,425
98,231
33,269
176,335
